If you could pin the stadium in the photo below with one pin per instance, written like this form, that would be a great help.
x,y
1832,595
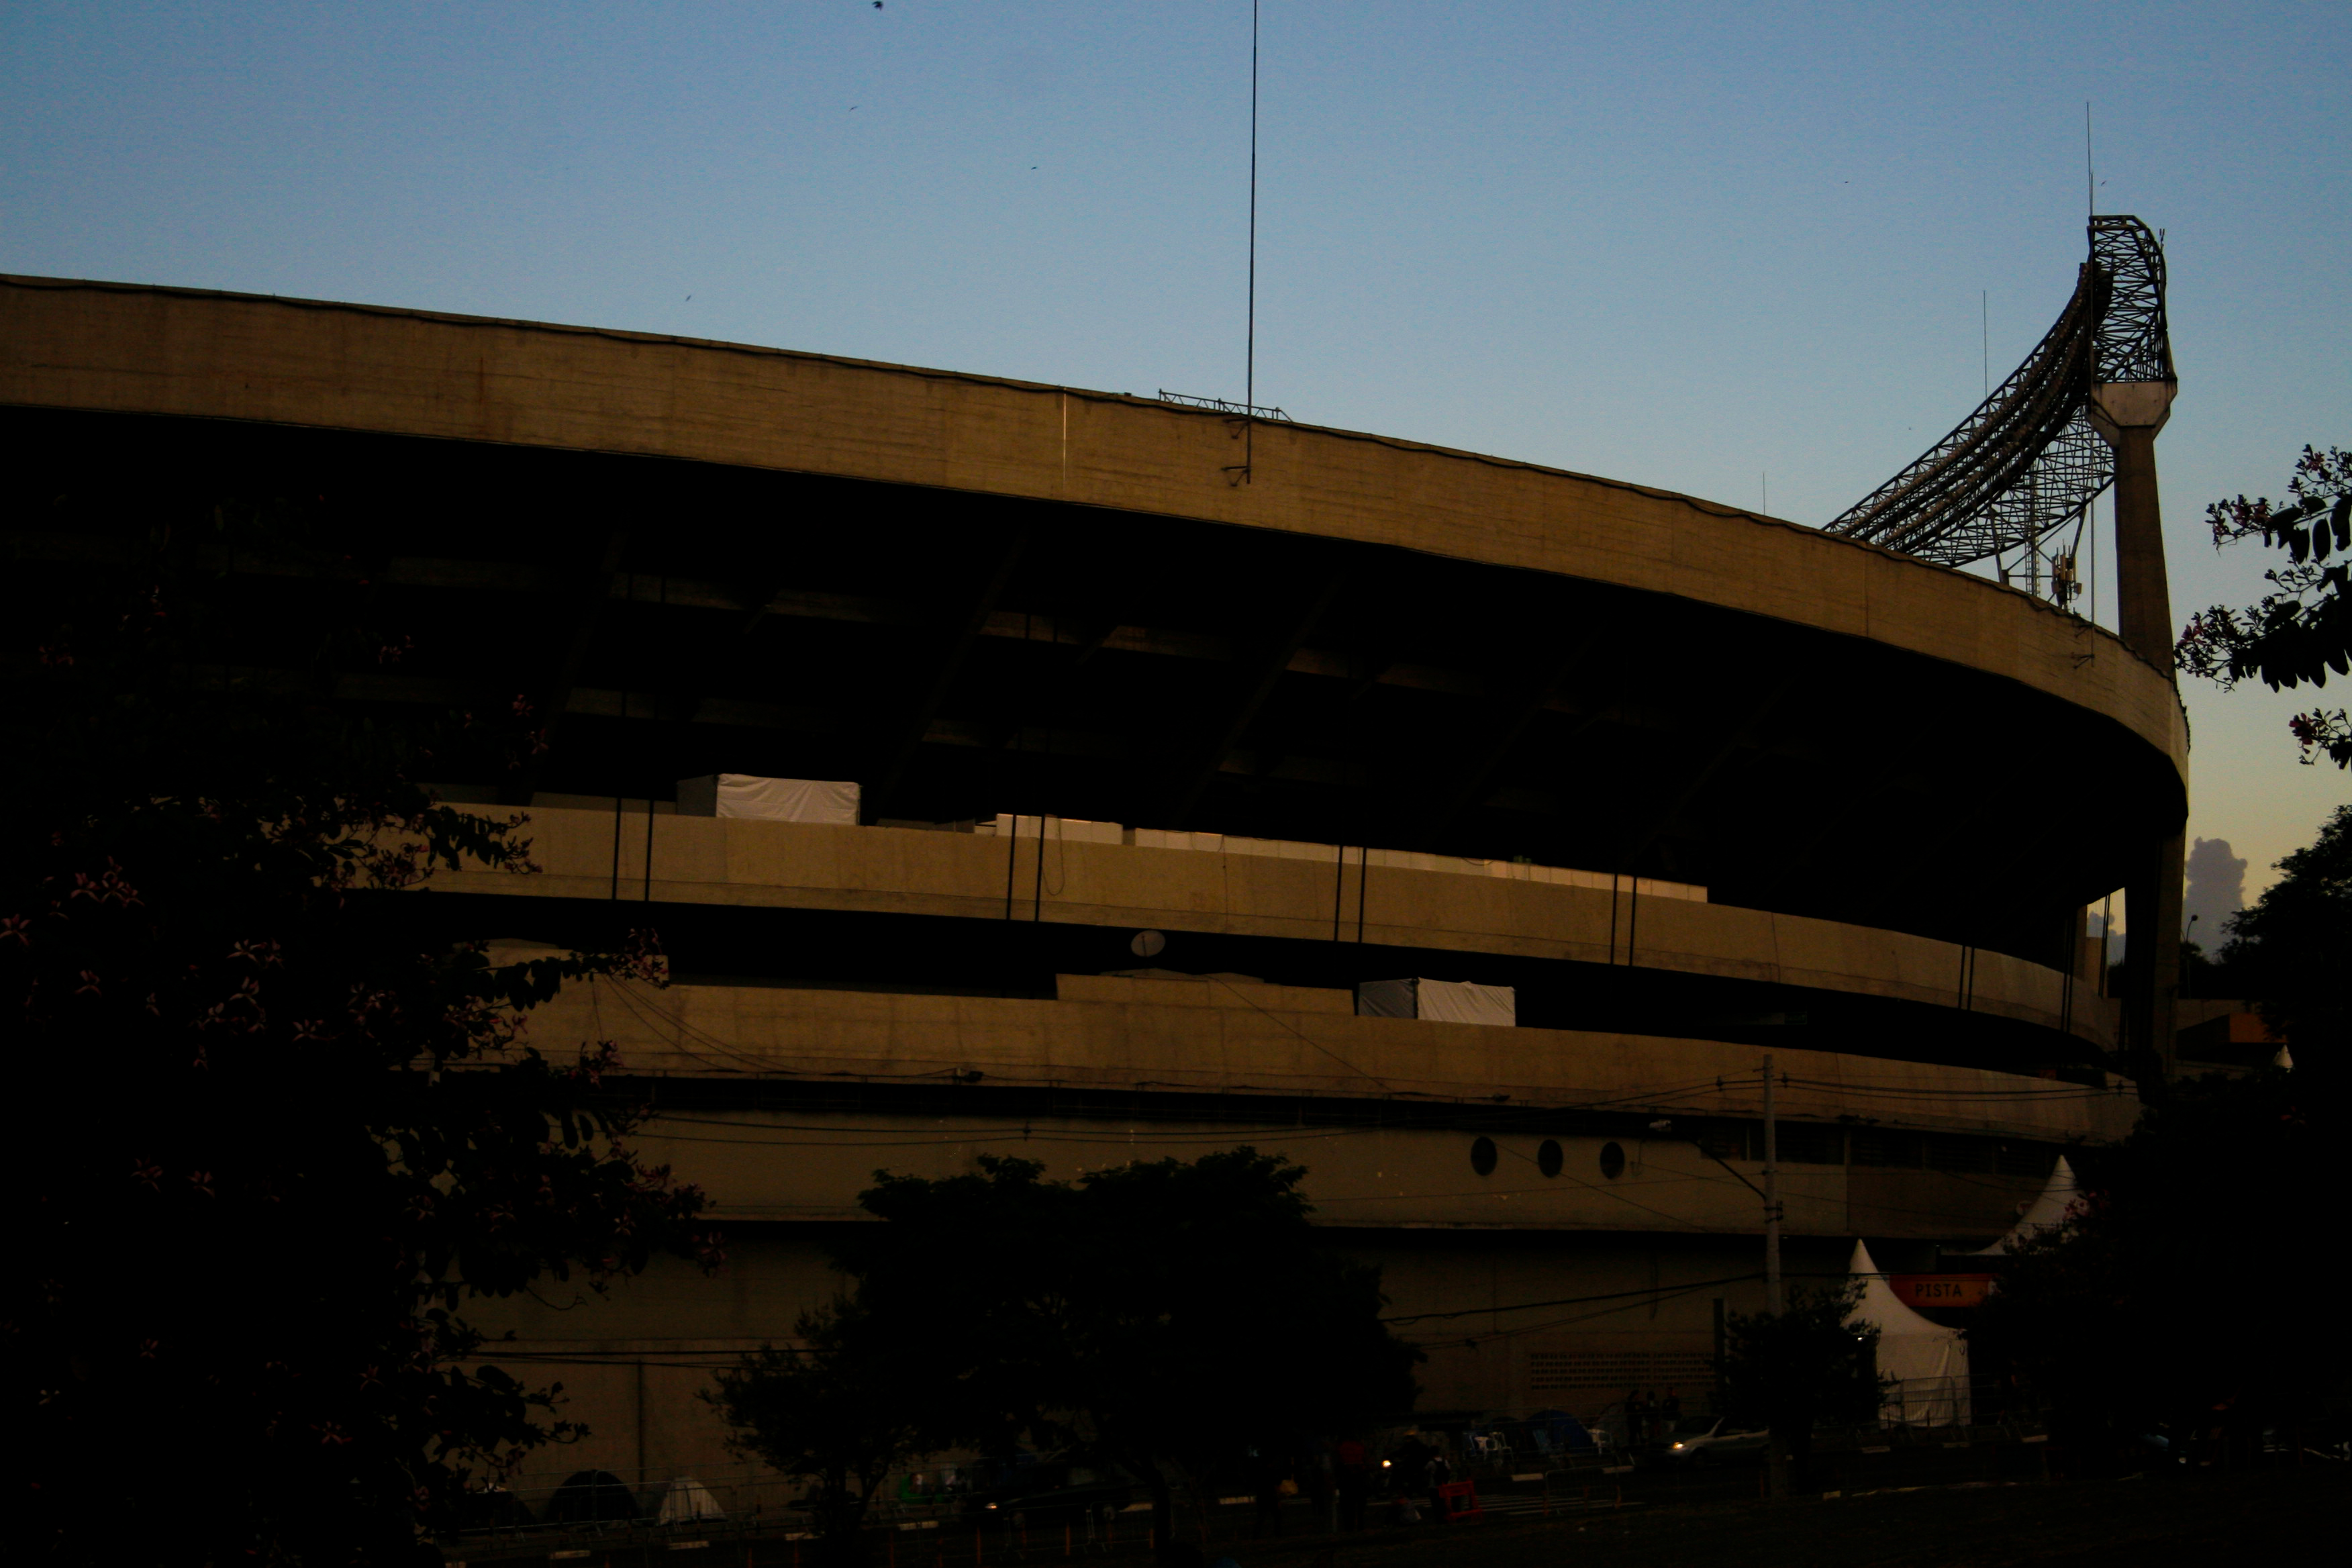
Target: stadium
x,y
1087,777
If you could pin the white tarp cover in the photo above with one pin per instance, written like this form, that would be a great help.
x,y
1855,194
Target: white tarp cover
x,y
747,795
688,1499
1929,1362
1444,1001
2057,1196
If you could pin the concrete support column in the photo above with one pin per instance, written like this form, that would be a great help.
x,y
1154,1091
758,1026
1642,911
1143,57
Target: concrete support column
x,y
2152,902
2143,586
2128,414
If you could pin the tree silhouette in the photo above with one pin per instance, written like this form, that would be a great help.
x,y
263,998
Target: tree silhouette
x,y
2301,630
273,1141
1172,1315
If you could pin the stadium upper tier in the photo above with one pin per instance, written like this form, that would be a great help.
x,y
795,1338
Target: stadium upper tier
x,y
974,594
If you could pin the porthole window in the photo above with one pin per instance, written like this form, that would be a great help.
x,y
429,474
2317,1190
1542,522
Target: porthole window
x,y
1548,1159
1482,1156
1612,1160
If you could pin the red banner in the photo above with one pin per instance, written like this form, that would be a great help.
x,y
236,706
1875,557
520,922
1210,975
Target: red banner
x,y
1941,1289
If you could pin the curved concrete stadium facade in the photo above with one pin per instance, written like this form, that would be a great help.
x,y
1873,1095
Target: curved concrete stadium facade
x,y
1320,709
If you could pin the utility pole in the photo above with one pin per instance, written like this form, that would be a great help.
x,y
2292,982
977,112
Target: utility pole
x,y
1776,1457
1772,1199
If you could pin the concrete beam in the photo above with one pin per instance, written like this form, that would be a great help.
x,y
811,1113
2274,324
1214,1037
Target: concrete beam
x,y
715,860
117,348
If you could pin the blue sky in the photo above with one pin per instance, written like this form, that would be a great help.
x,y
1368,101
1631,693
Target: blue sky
x,y
1708,247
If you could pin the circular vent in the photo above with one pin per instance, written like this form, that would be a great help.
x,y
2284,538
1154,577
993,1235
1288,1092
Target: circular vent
x,y
1483,1156
1548,1159
1612,1160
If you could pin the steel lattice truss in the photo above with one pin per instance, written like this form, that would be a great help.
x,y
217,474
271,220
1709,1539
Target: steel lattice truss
x,y
2028,463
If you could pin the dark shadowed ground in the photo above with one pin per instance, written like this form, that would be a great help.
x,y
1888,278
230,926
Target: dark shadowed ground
x,y
2221,1522
2255,1519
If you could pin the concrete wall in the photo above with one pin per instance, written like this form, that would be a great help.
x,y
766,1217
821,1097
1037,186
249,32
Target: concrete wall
x,y
1508,1324
802,1165
634,1361
1261,1044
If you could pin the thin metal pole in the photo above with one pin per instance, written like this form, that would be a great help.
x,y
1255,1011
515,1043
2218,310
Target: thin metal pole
x,y
1339,890
1612,918
2091,526
1363,879
2107,926
617,804
1012,862
1249,349
2090,173
1772,1199
649,849
1037,904
1249,363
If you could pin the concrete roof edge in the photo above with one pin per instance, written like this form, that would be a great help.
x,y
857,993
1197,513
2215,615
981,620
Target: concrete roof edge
x,y
1712,509
723,346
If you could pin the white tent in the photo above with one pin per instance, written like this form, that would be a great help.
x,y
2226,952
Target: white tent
x,y
2058,1195
1929,1362
688,1500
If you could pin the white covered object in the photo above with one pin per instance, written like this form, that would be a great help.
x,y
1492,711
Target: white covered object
x,y
1444,1001
687,1500
1929,1362
2050,1208
757,799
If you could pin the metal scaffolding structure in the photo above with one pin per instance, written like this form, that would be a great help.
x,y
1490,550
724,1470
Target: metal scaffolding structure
x,y
2024,467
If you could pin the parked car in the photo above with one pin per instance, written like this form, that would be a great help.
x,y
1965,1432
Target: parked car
x,y
1702,1440
1064,1485
591,1497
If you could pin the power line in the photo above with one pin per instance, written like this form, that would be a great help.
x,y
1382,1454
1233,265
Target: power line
x,y
1573,1300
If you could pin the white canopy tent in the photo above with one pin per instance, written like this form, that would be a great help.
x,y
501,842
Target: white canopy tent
x,y
686,1500
2058,1195
1929,1362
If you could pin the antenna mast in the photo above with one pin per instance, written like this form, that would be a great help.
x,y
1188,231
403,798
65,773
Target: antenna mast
x,y
1240,473
1249,358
